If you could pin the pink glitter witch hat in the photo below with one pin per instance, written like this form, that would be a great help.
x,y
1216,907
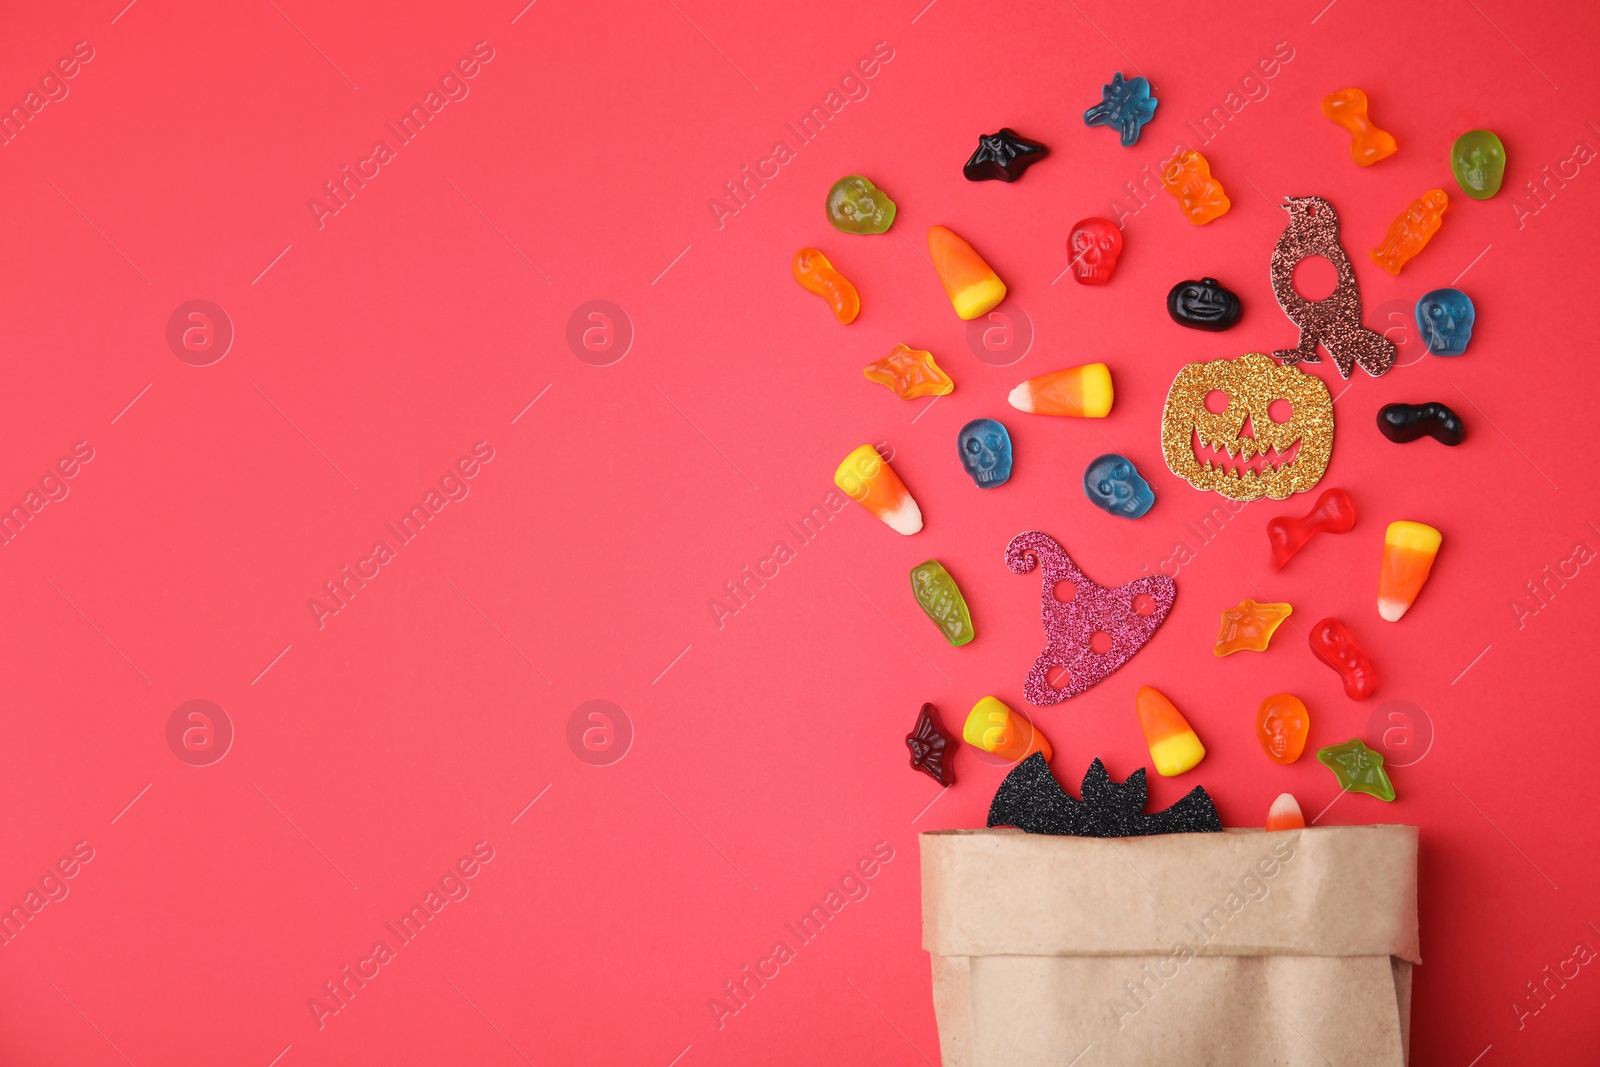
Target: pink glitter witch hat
x,y
1092,609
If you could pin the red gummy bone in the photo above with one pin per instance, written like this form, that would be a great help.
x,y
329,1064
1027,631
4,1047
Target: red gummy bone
x,y
1335,513
1334,645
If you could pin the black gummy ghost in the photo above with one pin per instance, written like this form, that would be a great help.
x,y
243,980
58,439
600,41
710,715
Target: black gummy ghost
x,y
1407,422
1003,157
1031,799
1203,305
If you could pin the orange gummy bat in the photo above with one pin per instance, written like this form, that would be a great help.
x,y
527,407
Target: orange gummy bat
x,y
911,373
1368,144
816,275
1249,626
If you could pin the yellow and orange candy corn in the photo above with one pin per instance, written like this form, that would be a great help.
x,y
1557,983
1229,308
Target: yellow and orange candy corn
x,y
1174,747
1285,814
1084,392
816,275
997,729
971,284
1408,551
868,480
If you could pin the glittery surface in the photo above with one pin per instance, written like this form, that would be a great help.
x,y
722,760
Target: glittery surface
x,y
1093,609
1258,465
928,742
1357,767
1335,321
1031,799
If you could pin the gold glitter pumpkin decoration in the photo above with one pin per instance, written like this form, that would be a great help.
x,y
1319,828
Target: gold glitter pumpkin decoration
x,y
1235,445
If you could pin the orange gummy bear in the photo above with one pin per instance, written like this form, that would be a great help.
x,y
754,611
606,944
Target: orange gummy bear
x,y
816,275
1282,725
1249,626
1187,176
1411,232
1368,144
911,373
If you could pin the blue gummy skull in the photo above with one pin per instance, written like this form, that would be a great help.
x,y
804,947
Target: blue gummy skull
x,y
1444,319
985,447
1112,483
1127,105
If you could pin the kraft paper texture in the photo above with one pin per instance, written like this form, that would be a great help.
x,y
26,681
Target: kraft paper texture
x,y
1233,948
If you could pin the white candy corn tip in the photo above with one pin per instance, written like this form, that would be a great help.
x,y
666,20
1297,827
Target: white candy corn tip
x,y
906,518
1391,610
1021,397
1285,809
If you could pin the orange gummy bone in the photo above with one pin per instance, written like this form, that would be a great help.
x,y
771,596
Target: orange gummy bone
x,y
1368,144
971,284
816,275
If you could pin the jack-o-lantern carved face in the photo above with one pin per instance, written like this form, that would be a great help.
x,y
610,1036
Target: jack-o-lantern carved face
x,y
1247,427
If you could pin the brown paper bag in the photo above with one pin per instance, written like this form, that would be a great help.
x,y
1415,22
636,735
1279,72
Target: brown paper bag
x,y
1239,947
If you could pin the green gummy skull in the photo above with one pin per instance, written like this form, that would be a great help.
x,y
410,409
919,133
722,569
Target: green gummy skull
x,y
1479,162
855,205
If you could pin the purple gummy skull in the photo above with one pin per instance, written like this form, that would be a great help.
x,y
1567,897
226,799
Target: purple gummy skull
x,y
1093,608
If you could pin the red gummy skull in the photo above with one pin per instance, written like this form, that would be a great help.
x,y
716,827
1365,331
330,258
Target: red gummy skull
x,y
1095,245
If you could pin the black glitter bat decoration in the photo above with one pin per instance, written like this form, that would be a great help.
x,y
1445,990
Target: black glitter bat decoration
x,y
927,744
1003,157
1031,799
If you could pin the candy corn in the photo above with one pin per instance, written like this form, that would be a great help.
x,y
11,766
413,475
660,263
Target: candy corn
x,y
997,729
1174,748
1285,814
872,483
1080,391
1408,551
971,284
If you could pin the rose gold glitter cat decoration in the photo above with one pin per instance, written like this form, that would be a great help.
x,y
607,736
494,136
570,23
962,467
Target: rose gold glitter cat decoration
x,y
1335,321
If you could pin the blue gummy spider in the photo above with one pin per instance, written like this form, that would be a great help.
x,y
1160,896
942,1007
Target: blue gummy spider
x,y
1125,104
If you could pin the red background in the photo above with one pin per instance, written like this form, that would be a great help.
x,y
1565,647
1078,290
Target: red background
x,y
375,751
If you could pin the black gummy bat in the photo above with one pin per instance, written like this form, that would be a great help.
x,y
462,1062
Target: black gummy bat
x,y
1407,422
1003,157
927,744
1031,799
